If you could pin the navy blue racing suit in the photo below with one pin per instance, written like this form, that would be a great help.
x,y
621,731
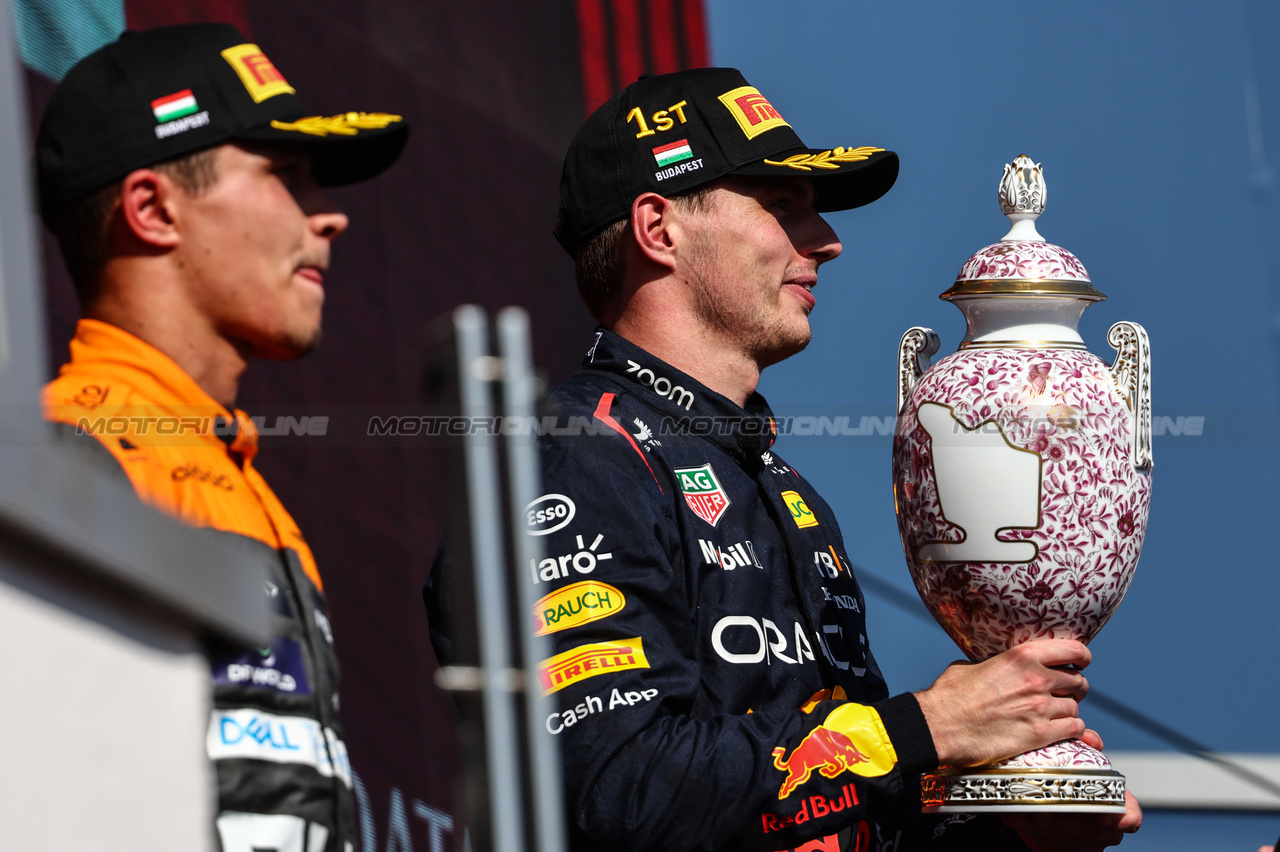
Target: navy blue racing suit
x,y
712,685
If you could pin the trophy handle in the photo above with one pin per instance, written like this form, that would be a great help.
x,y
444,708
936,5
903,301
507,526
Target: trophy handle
x,y
915,349
1132,375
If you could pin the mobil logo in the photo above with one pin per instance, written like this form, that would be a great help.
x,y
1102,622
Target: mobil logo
x,y
729,557
548,513
703,492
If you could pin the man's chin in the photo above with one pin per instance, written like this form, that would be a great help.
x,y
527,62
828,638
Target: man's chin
x,y
785,349
288,348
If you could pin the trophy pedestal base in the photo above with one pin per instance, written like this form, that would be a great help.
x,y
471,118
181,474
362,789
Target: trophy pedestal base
x,y
1023,791
1049,780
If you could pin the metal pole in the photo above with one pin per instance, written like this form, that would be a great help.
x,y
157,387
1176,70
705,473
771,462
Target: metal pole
x,y
22,328
476,370
524,483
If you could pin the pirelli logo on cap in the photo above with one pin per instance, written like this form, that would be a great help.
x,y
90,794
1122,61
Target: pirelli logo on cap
x,y
257,72
752,110
587,661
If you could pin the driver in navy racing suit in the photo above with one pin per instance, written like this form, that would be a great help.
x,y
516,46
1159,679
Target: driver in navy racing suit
x,y
711,684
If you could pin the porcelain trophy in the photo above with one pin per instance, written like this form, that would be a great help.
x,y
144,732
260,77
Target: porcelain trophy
x,y
1022,483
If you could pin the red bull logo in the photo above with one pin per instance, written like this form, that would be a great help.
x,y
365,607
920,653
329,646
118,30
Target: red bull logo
x,y
851,739
824,751
817,807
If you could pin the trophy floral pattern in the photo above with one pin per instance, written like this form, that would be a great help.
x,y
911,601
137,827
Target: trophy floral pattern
x,y
1063,405
1066,753
1023,260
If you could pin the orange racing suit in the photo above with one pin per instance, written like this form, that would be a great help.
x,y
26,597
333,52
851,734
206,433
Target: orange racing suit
x,y
274,736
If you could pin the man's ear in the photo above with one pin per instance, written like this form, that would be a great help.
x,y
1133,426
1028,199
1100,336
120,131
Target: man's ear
x,y
148,207
655,224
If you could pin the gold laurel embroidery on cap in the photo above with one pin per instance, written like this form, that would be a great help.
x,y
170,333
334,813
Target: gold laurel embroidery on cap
x,y
345,124
826,159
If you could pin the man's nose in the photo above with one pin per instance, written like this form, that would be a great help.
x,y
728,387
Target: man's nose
x,y
329,224
820,241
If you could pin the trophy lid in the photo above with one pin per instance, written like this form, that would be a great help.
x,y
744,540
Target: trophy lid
x,y
1023,263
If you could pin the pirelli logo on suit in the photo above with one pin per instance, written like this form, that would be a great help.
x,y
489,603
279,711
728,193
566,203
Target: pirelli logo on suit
x,y
587,661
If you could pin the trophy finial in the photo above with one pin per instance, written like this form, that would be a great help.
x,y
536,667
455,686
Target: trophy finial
x,y
1022,198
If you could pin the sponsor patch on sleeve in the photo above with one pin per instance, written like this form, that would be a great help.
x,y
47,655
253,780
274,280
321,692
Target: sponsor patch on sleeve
x,y
575,605
586,661
851,739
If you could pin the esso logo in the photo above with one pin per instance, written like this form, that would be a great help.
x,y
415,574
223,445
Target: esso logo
x,y
548,513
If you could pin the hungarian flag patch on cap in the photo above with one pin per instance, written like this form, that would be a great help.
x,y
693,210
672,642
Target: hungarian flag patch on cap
x,y
174,106
673,153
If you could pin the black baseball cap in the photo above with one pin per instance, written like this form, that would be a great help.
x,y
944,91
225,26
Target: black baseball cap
x,y
672,133
164,93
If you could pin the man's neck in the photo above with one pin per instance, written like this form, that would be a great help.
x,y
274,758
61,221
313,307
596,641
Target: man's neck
x,y
729,373
159,316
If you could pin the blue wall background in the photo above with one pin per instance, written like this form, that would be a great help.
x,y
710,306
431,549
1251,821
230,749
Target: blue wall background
x,y
1159,129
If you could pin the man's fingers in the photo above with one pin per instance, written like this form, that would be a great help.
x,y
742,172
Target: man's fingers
x,y
1076,832
1064,729
1132,819
1058,652
1022,699
1068,682
1064,708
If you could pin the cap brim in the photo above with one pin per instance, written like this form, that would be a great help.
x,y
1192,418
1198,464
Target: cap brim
x,y
843,178
349,155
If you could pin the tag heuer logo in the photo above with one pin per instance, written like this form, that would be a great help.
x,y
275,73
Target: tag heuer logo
x,y
703,493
